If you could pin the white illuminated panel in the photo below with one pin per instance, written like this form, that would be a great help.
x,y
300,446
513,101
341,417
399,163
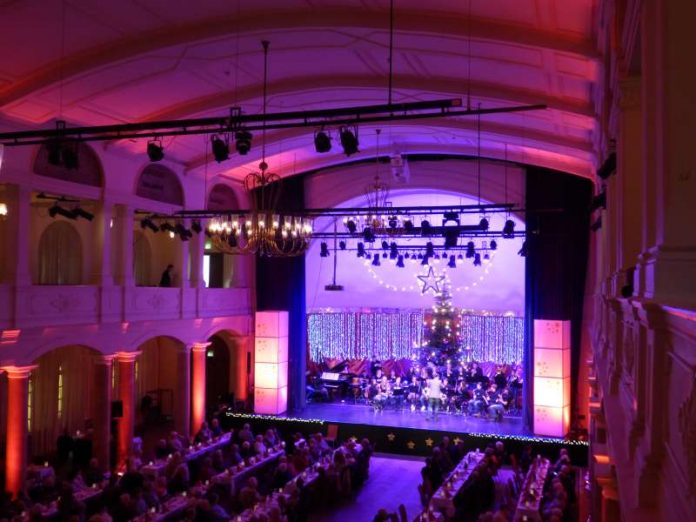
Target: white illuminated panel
x,y
551,378
271,362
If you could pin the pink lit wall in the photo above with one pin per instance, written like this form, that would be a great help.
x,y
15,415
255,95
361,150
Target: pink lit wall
x,y
551,377
271,362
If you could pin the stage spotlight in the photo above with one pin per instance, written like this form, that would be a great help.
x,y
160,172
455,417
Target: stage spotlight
x,y
80,212
155,151
509,229
166,227
324,252
385,245
361,250
220,148
451,236
349,141
470,250
242,142
148,223
393,251
342,245
351,225
406,256
400,262
408,225
368,235
425,260
452,262
425,228
393,222
460,258
184,233
486,258
450,216
196,227
375,260
322,142
429,249
60,211
483,224
477,259
420,256
523,251
436,257
494,244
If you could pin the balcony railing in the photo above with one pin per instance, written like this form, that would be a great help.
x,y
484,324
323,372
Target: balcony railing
x,y
37,306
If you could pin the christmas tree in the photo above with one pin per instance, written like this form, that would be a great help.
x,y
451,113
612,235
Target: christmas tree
x,y
442,332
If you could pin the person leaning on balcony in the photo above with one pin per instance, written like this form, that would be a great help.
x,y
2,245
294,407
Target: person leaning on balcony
x,y
166,279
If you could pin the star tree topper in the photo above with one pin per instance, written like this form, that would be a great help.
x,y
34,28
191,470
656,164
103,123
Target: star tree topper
x,y
431,281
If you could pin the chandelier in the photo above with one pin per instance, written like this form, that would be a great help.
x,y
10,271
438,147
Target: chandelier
x,y
264,230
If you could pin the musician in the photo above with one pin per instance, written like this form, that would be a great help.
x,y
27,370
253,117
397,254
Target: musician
x,y
383,393
516,387
500,378
478,402
374,366
434,393
496,403
415,393
475,373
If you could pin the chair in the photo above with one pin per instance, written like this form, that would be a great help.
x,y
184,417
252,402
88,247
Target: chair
x,y
331,434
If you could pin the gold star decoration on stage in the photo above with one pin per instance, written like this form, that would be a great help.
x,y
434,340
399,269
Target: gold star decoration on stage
x,y
457,440
431,281
410,444
391,437
429,442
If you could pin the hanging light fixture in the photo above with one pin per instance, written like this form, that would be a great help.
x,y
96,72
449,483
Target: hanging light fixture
x,y
265,230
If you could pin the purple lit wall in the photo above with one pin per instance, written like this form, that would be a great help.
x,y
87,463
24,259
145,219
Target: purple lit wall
x,y
496,286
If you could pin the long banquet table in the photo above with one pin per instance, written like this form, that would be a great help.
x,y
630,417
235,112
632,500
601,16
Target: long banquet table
x,y
156,468
443,498
532,491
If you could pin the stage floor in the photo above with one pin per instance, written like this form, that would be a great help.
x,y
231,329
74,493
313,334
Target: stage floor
x,y
363,414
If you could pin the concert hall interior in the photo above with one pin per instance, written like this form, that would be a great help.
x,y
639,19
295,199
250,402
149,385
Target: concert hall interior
x,y
323,260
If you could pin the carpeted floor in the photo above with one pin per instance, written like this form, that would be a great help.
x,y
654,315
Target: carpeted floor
x,y
392,481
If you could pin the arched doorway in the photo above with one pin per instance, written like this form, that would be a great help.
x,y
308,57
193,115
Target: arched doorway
x,y
61,398
217,373
158,384
60,255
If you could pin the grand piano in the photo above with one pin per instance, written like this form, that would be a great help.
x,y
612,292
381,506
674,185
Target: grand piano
x,y
337,380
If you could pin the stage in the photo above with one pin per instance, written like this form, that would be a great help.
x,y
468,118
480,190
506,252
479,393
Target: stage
x,y
405,432
349,413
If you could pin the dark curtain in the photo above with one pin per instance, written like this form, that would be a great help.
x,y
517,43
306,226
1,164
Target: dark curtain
x,y
280,285
557,241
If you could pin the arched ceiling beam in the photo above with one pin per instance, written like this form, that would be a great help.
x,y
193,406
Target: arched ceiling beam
x,y
443,86
409,21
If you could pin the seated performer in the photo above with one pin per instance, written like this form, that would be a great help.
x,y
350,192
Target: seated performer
x,y
496,403
477,403
415,395
383,394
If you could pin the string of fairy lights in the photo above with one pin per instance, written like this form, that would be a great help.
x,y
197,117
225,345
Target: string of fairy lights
x,y
399,334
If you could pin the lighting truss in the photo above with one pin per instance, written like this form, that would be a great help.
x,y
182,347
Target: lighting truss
x,y
236,120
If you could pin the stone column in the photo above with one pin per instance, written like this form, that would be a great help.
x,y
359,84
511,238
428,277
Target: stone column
x,y
197,253
198,351
17,435
19,236
102,259
124,222
126,394
182,417
670,166
184,279
102,410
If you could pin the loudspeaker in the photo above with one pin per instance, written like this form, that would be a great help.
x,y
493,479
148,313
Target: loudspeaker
x,y
248,363
116,409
